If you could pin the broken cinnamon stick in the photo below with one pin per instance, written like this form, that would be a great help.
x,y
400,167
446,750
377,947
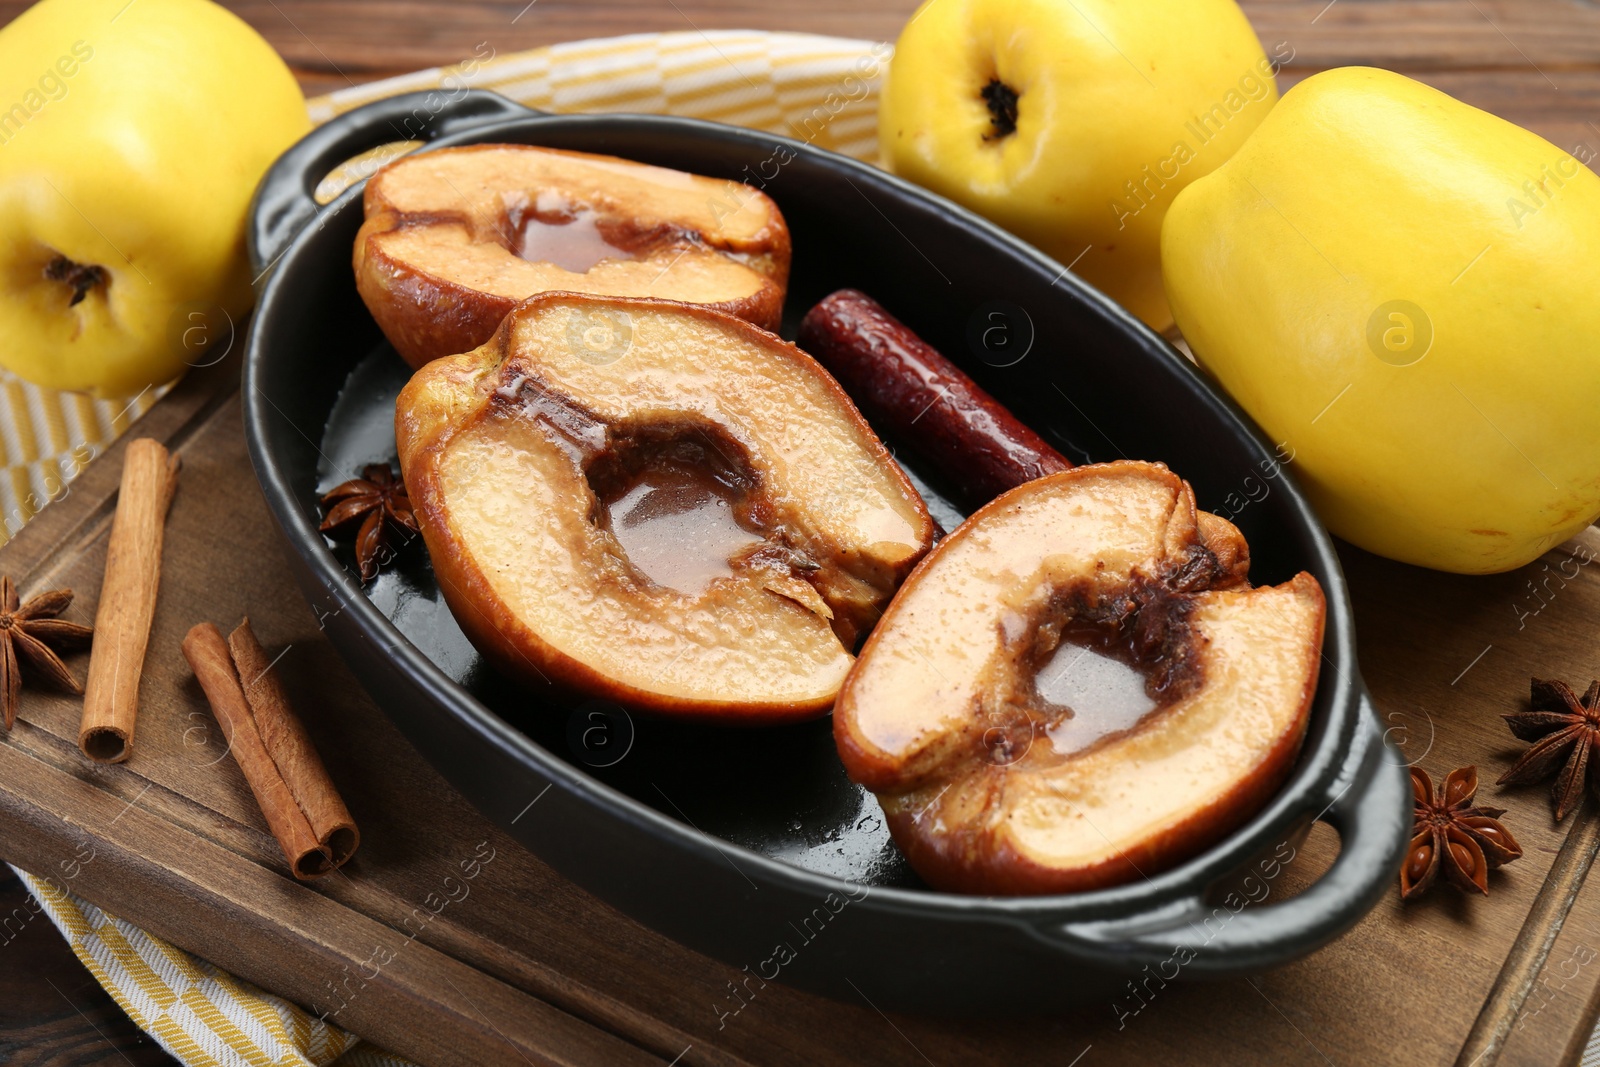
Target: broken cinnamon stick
x,y
303,808
127,601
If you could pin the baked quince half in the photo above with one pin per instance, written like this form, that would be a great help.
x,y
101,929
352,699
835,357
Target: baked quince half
x,y
1079,686
658,504
454,239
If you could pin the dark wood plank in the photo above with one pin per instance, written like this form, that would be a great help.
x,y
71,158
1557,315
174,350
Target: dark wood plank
x,y
334,45
1422,35
52,1011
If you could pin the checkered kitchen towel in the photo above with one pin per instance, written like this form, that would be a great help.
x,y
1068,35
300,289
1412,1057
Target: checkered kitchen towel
x,y
818,89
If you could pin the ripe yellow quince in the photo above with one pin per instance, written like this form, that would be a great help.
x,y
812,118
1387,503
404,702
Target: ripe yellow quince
x,y
1073,123
1402,289
132,136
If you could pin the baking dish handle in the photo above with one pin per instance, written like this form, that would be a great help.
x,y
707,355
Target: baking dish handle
x,y
1368,804
284,201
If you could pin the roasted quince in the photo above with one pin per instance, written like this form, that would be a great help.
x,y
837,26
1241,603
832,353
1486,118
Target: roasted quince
x,y
1080,686
454,239
659,504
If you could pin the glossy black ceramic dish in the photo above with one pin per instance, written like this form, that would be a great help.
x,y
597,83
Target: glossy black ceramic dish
x,y
752,845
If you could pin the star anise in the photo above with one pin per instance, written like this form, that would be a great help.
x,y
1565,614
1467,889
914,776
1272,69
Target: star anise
x,y
1449,832
378,499
1561,726
30,629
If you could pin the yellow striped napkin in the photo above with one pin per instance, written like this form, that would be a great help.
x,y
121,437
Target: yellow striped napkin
x,y
201,1015
822,90
47,437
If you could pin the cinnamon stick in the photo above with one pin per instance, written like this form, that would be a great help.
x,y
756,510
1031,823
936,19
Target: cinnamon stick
x,y
285,738
906,386
127,601
303,808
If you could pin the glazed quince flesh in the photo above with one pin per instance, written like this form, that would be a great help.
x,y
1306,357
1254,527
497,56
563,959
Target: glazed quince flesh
x,y
1079,686
658,504
454,238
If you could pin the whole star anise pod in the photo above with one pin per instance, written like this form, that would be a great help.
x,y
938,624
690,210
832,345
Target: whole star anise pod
x,y
30,629
1562,727
378,499
1449,832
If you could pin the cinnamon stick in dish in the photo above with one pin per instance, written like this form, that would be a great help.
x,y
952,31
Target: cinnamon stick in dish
x,y
127,601
303,808
905,386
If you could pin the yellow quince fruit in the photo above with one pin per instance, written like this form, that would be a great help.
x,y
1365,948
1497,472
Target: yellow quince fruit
x,y
132,136
1073,123
1402,290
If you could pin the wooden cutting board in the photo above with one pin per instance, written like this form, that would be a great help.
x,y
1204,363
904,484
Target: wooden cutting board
x,y
525,966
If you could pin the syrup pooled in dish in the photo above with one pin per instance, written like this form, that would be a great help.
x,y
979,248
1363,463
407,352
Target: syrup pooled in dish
x,y
1094,691
677,525
564,236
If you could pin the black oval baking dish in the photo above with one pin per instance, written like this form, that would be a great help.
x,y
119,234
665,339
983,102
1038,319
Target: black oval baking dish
x,y
752,845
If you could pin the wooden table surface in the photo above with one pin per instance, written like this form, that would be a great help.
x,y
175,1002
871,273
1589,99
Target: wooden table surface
x,y
1535,62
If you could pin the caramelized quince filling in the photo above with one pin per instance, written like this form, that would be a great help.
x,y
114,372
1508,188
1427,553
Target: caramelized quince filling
x,y
1079,686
